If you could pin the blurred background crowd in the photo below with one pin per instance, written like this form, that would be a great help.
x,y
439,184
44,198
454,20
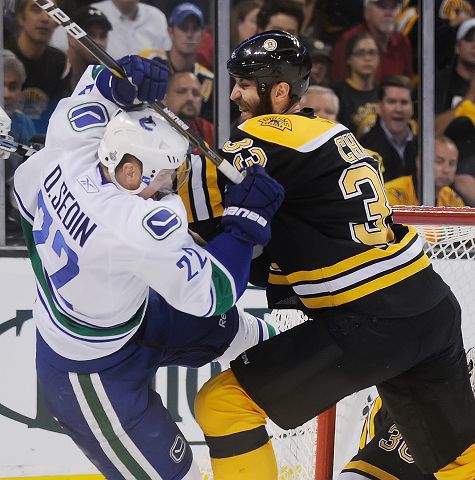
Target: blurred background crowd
x,y
366,58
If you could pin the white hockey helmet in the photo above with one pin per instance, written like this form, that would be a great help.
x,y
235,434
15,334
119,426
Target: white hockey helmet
x,y
148,137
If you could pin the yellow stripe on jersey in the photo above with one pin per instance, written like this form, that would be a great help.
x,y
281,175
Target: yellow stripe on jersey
x,y
368,431
292,131
194,192
377,405
372,286
215,197
364,435
365,467
351,263
184,192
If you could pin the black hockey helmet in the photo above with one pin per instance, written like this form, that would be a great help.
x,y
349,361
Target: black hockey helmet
x,y
271,57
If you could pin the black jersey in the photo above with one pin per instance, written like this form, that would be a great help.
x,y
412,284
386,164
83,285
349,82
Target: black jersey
x,y
333,240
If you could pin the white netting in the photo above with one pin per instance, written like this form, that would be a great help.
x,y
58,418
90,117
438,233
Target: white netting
x,y
294,449
452,251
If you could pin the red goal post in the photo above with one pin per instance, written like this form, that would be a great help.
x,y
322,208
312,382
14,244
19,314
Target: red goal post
x,y
424,215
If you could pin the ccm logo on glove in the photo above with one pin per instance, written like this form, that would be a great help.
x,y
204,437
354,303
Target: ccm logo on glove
x,y
245,213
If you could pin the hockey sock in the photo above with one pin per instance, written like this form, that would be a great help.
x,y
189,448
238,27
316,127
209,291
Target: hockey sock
x,y
234,428
462,468
259,463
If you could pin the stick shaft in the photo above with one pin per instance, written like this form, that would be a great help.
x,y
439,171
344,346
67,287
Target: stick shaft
x,y
74,30
9,145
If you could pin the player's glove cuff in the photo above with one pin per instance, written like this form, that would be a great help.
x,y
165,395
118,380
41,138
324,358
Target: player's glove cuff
x,y
250,205
247,225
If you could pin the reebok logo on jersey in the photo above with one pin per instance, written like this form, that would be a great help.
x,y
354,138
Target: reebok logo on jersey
x,y
245,359
161,222
178,450
245,213
87,184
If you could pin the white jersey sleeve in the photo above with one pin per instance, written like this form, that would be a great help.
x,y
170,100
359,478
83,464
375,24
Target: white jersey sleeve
x,y
189,277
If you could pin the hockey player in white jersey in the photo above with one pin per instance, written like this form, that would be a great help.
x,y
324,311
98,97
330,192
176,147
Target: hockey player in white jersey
x,y
122,286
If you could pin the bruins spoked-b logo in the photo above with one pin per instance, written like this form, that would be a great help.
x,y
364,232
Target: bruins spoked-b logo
x,y
275,121
270,45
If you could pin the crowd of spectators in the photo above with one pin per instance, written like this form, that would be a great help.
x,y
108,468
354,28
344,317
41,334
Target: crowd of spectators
x,y
364,69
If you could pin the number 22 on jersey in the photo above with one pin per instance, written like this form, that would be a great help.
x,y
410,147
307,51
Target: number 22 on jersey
x,y
71,269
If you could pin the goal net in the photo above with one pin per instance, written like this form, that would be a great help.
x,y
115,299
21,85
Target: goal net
x,y
309,452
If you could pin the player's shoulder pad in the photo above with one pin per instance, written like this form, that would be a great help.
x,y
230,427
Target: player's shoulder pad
x,y
297,132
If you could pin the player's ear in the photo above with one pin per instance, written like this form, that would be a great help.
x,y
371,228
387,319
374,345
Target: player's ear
x,y
281,90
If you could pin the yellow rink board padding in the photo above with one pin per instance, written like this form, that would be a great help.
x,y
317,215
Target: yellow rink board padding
x,y
60,477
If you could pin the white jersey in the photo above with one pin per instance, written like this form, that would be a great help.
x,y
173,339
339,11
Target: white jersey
x,y
96,250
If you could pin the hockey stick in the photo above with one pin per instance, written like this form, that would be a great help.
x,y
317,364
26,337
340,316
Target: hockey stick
x,y
9,145
74,30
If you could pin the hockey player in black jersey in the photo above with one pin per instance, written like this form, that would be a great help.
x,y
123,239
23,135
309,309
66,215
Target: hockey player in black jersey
x,y
379,313
384,454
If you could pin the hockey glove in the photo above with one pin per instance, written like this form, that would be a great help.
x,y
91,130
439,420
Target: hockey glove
x,y
146,82
249,206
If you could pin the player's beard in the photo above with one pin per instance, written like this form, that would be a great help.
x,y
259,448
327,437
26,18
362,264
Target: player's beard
x,y
262,106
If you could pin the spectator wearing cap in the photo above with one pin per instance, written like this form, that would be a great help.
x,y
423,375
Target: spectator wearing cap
x,y
186,28
96,25
358,93
455,84
380,19
280,15
136,27
46,67
321,60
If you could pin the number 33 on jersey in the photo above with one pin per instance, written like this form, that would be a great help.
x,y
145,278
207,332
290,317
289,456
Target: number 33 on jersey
x,y
339,246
